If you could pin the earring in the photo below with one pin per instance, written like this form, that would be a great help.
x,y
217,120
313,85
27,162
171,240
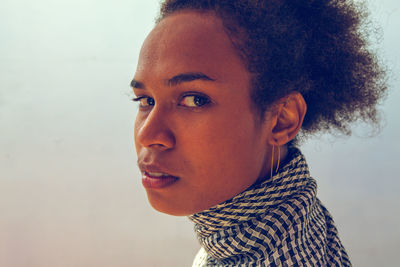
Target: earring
x,y
272,159
279,158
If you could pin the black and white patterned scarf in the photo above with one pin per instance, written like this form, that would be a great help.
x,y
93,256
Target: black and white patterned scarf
x,y
279,222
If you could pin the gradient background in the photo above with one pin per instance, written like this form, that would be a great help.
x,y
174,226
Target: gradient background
x,y
70,191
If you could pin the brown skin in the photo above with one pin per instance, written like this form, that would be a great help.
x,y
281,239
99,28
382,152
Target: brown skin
x,y
204,131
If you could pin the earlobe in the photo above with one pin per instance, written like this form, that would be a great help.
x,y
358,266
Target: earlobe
x,y
288,119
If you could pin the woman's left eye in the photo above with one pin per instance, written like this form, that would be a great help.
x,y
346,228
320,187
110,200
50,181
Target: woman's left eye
x,y
194,101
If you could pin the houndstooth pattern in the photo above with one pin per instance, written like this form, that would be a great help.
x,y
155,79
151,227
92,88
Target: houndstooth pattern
x,y
279,222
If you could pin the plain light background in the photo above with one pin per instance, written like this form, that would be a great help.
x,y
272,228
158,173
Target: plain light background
x,y
70,191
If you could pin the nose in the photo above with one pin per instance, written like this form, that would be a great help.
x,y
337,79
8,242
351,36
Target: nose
x,y
152,130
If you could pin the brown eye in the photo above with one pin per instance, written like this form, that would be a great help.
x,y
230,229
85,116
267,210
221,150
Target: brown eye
x,y
194,101
144,101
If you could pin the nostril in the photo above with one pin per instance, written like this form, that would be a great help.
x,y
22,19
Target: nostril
x,y
163,139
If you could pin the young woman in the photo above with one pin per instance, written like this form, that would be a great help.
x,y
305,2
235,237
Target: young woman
x,y
224,90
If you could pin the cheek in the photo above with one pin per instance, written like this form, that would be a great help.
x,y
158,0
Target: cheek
x,y
222,145
136,128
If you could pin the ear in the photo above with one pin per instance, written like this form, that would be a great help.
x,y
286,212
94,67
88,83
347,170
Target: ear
x,y
287,118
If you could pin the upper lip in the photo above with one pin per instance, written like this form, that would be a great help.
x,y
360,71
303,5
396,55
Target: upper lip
x,y
153,168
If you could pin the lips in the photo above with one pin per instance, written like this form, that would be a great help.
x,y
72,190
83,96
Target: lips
x,y
158,174
154,177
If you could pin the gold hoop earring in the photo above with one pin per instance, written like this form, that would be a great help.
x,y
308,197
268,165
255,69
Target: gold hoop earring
x,y
279,158
272,159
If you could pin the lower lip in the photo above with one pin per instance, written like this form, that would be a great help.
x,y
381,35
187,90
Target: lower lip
x,y
151,182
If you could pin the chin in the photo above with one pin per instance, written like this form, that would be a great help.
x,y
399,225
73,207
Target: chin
x,y
163,206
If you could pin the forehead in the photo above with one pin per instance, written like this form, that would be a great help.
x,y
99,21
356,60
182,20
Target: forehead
x,y
189,41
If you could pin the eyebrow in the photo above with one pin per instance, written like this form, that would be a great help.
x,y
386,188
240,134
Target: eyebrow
x,y
177,79
188,77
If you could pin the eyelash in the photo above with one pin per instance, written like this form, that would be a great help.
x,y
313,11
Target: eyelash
x,y
139,98
203,99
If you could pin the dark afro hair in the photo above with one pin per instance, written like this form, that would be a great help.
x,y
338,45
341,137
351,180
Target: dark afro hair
x,y
316,47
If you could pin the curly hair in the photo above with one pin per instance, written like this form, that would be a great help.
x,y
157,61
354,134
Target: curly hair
x,y
316,47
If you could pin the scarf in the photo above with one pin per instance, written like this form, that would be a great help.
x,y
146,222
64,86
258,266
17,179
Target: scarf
x,y
279,222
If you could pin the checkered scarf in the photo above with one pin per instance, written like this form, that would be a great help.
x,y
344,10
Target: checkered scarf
x,y
279,222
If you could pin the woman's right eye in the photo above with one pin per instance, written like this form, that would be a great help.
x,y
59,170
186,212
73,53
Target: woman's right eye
x,y
144,101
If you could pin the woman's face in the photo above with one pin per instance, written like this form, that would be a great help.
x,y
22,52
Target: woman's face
x,y
197,138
